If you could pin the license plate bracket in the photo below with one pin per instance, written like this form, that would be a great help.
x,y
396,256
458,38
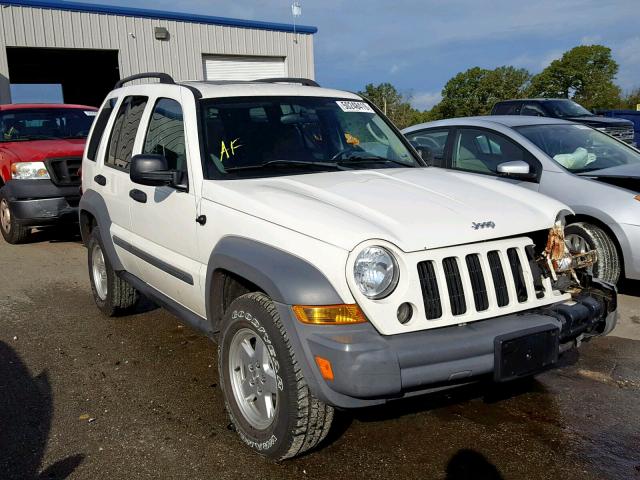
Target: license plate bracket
x,y
525,352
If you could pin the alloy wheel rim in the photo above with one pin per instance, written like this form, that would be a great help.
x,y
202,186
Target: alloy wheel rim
x,y
576,243
5,216
253,378
99,272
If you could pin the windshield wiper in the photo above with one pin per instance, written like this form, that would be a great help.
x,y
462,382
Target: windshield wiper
x,y
285,163
357,159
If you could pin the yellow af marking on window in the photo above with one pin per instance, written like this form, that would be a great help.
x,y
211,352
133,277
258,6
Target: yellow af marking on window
x,y
229,152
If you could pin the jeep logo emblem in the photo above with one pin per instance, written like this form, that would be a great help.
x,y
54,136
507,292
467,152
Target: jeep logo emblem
x,y
478,226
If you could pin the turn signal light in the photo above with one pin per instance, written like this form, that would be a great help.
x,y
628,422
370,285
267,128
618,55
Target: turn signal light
x,y
637,197
329,314
325,368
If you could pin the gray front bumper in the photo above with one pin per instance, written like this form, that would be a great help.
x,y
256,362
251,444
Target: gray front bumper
x,y
370,368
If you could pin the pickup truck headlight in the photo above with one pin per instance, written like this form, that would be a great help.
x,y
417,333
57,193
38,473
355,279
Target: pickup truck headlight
x,y
29,171
376,272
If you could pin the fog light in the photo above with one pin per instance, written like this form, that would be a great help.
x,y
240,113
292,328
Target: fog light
x,y
405,312
325,368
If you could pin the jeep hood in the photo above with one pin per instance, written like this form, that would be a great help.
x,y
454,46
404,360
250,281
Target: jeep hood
x,y
414,208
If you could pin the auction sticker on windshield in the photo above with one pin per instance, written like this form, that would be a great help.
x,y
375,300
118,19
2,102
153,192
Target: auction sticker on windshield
x,y
357,107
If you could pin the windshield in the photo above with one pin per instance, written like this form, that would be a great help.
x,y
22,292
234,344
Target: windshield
x,y
45,123
266,136
579,148
567,108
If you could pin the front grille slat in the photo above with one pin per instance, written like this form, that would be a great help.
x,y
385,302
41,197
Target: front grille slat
x,y
518,275
430,292
499,280
454,285
480,295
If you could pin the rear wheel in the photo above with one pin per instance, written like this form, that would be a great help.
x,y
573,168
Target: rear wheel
x,y
111,293
11,231
265,391
583,237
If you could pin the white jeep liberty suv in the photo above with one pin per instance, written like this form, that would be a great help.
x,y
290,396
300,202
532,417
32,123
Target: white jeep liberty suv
x,y
296,227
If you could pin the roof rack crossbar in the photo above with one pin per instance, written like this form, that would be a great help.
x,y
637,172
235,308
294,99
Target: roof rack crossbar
x,y
163,77
302,81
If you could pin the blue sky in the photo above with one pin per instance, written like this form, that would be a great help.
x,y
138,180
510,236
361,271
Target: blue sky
x,y
417,45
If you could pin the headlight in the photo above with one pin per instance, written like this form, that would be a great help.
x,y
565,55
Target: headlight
x,y
376,272
29,171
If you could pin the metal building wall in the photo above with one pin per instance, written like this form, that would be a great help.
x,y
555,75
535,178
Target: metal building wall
x,y
180,56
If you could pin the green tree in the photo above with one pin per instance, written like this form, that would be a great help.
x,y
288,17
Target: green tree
x,y
476,90
584,74
394,104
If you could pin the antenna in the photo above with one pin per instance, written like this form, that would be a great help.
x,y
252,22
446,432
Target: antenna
x,y
296,11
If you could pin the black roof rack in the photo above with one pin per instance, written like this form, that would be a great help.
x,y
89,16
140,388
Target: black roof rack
x,y
163,77
302,81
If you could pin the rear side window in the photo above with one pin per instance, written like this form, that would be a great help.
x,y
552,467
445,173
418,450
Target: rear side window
x,y
98,130
124,131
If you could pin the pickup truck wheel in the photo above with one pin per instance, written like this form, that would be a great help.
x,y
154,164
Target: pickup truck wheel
x,y
111,294
265,392
582,237
11,231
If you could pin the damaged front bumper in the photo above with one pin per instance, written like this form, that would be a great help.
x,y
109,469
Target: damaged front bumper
x,y
370,368
38,203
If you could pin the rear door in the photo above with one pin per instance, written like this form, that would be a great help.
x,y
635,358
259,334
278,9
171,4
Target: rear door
x,y
111,179
163,219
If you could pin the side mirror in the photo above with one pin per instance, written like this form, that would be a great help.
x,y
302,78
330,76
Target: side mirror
x,y
152,170
516,169
425,153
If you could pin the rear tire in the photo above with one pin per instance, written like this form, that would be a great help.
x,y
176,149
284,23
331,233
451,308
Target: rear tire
x,y
112,295
585,236
298,421
12,232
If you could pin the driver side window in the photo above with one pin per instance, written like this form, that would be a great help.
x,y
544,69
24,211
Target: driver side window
x,y
165,134
433,142
481,151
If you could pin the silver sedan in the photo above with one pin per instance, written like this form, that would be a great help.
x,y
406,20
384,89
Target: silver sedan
x,y
595,174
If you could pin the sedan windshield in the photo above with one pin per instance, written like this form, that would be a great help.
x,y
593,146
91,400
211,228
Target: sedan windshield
x,y
267,136
579,148
45,123
567,108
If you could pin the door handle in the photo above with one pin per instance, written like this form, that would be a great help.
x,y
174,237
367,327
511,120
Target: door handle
x,y
100,180
138,195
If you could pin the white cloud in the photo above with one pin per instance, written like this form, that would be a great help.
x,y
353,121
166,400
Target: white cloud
x,y
425,100
394,69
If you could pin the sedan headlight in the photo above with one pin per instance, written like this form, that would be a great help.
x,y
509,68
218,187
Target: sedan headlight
x,y
376,272
29,171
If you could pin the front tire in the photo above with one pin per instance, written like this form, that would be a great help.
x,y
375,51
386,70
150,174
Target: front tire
x,y
12,231
582,237
112,295
266,395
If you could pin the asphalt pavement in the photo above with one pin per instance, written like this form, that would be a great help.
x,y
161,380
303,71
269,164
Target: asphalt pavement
x,y
88,397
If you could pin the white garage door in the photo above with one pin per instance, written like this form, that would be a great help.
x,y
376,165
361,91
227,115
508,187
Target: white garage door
x,y
227,67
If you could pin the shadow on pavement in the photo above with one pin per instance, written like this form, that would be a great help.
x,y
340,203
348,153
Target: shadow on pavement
x,y
26,407
58,234
471,465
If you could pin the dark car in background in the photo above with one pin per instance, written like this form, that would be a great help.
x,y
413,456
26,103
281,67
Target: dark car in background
x,y
566,109
41,148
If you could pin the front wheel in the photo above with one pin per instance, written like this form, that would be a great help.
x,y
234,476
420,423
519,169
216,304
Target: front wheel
x,y
12,231
265,392
583,237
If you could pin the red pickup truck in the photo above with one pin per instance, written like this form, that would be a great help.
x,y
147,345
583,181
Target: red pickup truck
x,y
41,149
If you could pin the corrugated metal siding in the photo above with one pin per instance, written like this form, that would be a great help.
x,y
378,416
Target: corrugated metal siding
x,y
181,56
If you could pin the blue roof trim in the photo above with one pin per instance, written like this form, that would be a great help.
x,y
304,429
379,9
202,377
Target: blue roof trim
x,y
158,14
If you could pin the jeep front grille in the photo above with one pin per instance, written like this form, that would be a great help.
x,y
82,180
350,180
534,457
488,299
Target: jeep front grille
x,y
473,280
